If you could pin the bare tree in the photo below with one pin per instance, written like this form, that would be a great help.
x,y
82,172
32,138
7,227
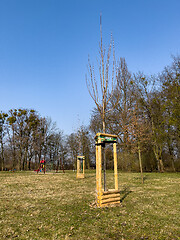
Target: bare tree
x,y
151,103
139,131
3,117
102,91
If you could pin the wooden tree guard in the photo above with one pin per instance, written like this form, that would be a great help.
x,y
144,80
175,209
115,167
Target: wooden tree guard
x,y
111,196
80,172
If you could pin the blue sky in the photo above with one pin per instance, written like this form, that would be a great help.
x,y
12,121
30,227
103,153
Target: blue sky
x,y
44,48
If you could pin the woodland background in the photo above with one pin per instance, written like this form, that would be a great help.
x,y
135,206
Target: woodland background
x,y
146,120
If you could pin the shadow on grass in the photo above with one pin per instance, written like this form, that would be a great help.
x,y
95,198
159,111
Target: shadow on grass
x,y
125,192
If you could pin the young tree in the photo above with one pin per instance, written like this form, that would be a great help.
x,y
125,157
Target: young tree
x,y
102,91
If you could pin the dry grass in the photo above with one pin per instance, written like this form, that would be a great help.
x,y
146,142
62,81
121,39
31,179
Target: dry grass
x,y
58,206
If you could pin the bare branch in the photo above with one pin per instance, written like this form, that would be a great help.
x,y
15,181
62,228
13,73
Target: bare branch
x,y
107,80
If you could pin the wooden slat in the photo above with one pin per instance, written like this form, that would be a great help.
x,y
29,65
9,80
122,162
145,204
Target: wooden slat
x,y
111,192
106,135
110,200
110,196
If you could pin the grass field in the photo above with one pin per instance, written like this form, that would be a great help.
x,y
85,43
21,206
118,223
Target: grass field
x,y
58,206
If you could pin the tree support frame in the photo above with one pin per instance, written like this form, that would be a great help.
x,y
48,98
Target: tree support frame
x,y
80,162
111,196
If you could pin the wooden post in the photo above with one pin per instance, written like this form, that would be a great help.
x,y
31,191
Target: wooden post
x,y
100,166
97,169
78,167
115,166
104,166
83,166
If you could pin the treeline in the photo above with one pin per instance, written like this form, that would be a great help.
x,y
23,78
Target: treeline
x,y
26,138
146,119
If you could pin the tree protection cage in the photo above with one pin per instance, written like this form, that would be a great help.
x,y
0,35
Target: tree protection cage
x,y
80,166
112,196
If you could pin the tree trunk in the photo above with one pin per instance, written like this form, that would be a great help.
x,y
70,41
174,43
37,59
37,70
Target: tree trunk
x,y
158,156
171,156
161,165
104,166
29,165
62,164
14,152
173,166
87,163
26,159
140,163
2,156
21,162
103,155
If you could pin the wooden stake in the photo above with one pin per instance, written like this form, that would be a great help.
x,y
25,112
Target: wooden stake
x,y
115,166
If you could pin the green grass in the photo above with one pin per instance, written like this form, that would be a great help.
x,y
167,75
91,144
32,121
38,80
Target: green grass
x,y
58,206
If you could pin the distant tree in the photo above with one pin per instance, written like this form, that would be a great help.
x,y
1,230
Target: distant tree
x,y
20,130
170,80
11,130
22,137
29,137
152,106
119,123
55,148
119,118
40,138
3,117
31,119
50,130
85,139
34,122
73,147
139,132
